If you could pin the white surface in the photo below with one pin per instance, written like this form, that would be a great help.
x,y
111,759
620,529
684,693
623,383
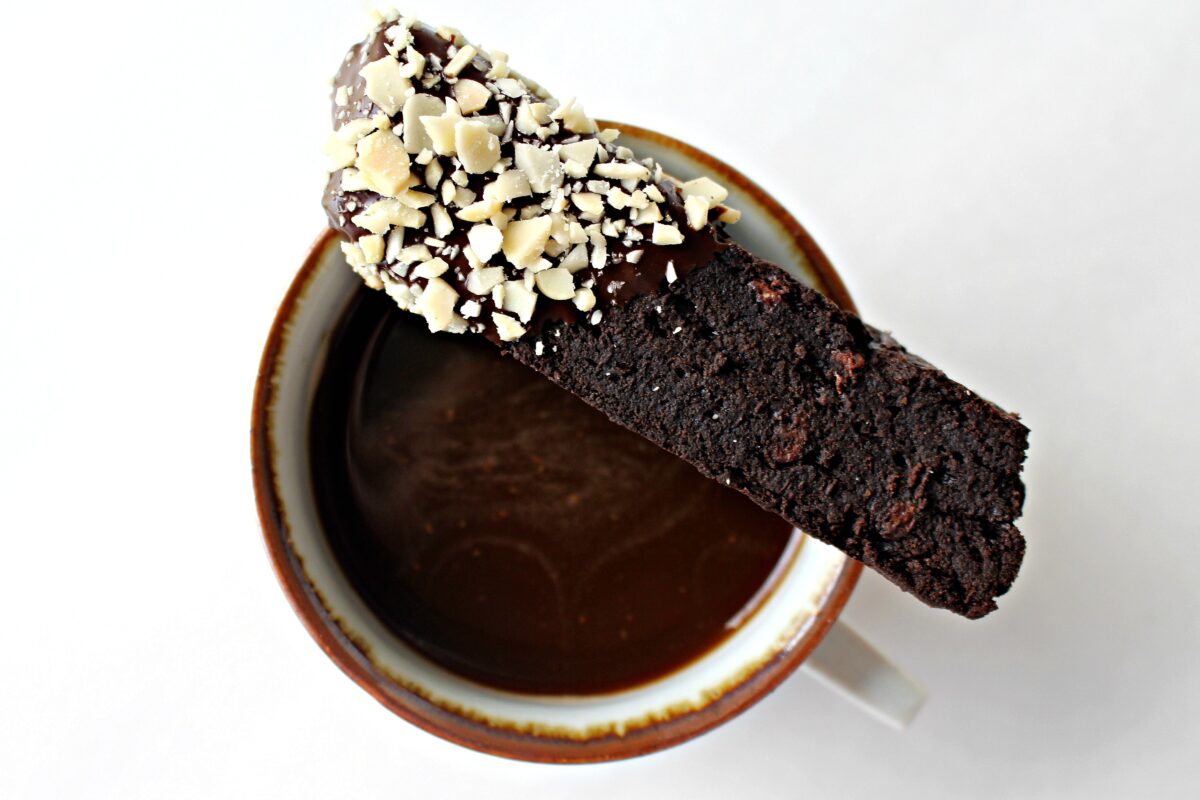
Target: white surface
x,y
1012,187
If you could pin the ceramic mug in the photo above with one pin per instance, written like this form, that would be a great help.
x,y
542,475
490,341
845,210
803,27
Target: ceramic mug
x,y
811,584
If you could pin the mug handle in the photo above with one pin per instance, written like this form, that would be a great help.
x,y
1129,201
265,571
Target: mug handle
x,y
848,663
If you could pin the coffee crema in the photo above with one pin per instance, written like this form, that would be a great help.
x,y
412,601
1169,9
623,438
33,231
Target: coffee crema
x,y
510,532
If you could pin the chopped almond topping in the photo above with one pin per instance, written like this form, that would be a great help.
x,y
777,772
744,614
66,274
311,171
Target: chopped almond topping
x,y
696,207
385,86
460,60
440,131
507,327
485,241
541,167
471,95
524,240
519,300
554,196
416,107
507,187
443,225
482,281
478,149
383,214
589,203
666,234
339,153
622,170
585,299
436,304
556,283
382,163
706,188
431,268
372,249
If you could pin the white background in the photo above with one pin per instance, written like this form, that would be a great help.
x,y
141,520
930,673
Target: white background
x,y
1013,188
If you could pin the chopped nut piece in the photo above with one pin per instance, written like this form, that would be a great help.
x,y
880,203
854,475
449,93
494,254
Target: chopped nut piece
x,y
654,193
706,188
341,96
511,87
395,242
440,131
443,225
414,63
671,276
431,268
478,149
617,198
595,318
372,249
696,207
589,203
666,234
482,281
383,163
507,327
608,135
383,214
485,241
729,215
339,153
634,256
436,304
460,60
583,151
401,293
413,254
585,299
525,240
621,170
385,86
478,212
541,167
647,215
471,95
556,283
352,181
433,172
519,300
355,129
415,107
599,256
499,64
493,122
470,309
573,117
508,186
576,259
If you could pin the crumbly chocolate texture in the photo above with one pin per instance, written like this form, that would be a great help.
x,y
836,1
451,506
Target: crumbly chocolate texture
x,y
765,385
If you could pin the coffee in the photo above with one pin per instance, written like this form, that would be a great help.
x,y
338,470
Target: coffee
x,y
511,533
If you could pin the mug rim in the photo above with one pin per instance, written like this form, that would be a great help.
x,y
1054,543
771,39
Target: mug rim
x,y
735,697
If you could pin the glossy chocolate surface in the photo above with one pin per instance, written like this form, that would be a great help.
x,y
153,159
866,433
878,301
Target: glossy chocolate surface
x,y
512,533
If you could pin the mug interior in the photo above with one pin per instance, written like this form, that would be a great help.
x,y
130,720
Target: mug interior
x,y
811,584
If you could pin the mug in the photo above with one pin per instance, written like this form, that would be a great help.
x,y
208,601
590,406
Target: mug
x,y
795,624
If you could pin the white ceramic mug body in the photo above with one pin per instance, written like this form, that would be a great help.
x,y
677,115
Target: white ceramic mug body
x,y
811,585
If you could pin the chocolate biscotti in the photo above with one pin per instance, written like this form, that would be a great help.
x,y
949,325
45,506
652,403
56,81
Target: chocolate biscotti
x,y
476,200
765,385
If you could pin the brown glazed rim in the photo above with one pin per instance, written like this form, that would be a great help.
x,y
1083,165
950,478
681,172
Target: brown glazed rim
x,y
448,723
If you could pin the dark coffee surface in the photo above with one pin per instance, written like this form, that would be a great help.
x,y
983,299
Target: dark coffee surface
x,y
509,531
